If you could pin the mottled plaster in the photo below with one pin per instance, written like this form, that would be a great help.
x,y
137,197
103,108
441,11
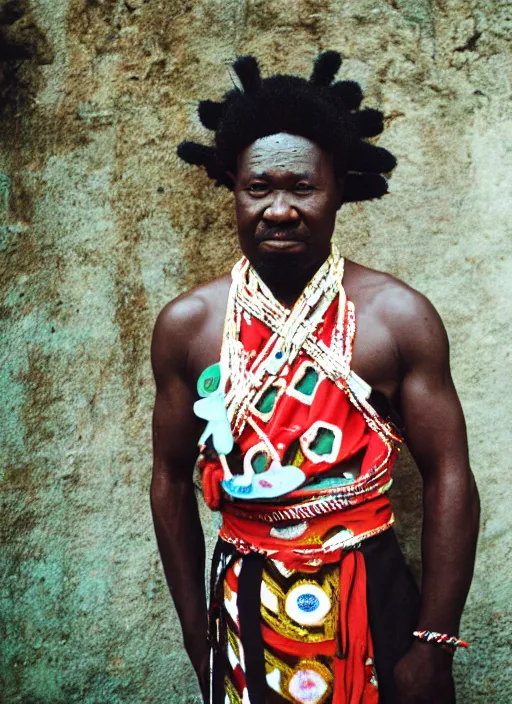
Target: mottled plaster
x,y
103,225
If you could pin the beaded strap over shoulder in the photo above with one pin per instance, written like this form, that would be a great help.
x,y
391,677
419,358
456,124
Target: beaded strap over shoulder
x,y
292,330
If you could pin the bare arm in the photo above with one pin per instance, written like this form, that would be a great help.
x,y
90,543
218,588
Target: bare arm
x,y
175,512
436,437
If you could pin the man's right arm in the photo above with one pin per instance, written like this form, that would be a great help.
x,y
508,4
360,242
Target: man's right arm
x,y
173,502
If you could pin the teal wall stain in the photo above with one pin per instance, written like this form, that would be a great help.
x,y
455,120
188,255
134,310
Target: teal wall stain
x,y
103,225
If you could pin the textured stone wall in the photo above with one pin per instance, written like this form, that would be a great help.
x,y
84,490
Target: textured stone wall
x,y
100,226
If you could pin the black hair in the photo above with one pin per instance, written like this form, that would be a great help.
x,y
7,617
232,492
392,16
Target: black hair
x,y
327,113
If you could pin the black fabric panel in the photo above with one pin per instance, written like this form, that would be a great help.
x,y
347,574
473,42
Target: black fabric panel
x,y
249,607
393,606
222,557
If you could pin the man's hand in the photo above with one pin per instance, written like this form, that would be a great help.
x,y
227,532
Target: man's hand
x,y
424,676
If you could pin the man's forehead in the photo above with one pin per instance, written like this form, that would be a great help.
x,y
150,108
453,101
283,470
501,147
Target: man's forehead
x,y
282,152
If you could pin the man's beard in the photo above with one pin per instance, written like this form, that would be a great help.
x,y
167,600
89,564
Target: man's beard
x,y
279,269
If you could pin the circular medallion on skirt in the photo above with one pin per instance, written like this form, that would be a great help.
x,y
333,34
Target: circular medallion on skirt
x,y
307,604
307,686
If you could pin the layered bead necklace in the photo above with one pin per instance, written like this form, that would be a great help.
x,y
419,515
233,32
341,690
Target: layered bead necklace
x,y
292,331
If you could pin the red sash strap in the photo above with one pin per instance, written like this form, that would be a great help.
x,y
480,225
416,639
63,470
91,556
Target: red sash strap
x,y
354,525
351,682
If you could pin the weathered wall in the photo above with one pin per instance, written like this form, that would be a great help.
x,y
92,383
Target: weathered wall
x,y
100,226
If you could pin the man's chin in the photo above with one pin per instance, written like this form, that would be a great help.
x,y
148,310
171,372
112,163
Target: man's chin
x,y
277,268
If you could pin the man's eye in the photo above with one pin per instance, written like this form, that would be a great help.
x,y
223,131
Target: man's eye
x,y
257,187
304,187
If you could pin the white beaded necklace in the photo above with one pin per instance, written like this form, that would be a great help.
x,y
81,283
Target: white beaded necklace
x,y
292,331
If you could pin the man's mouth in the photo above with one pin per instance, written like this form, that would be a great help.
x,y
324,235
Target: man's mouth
x,y
281,241
281,246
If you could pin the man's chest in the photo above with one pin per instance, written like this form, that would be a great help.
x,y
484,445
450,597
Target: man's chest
x,y
374,356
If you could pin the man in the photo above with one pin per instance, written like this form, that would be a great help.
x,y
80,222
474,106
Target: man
x,y
310,600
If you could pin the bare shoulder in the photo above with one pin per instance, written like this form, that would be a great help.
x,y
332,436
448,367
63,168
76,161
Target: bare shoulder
x,y
182,320
191,308
411,318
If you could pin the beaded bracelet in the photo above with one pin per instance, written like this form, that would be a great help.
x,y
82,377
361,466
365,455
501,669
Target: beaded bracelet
x,y
442,639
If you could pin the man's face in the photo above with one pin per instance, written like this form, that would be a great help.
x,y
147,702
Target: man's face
x,y
287,196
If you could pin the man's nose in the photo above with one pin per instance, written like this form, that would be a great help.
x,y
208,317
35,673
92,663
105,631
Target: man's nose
x,y
281,209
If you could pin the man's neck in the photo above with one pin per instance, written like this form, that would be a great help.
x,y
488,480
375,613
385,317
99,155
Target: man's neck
x,y
288,293
288,283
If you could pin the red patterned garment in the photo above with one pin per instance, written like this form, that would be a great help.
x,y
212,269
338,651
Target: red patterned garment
x,y
304,485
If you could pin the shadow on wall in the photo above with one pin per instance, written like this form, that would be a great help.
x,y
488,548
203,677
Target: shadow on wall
x,y
23,46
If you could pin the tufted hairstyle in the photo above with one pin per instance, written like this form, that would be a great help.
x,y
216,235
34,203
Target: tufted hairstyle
x,y
327,113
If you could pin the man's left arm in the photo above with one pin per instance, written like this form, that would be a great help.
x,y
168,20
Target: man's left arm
x,y
435,434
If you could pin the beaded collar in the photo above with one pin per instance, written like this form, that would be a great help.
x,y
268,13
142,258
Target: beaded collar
x,y
292,330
